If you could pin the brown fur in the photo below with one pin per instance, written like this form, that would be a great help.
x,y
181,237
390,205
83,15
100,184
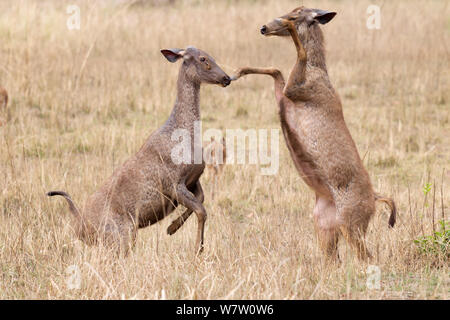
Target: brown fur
x,y
3,98
317,137
149,186
3,101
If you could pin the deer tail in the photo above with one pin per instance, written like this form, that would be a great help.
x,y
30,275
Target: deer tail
x,y
72,207
391,204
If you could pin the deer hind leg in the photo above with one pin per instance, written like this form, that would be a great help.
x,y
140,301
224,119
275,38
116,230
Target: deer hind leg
x,y
327,229
355,237
355,220
119,236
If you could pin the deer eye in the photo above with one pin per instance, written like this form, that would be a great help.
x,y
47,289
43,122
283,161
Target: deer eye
x,y
292,18
202,59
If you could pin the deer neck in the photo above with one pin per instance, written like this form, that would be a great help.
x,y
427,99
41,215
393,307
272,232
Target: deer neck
x,y
313,43
187,105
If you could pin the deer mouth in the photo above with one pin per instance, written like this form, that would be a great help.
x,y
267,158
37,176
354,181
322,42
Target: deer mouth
x,y
267,31
226,80
275,32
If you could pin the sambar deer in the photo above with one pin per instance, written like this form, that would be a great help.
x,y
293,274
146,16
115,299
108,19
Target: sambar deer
x,y
150,185
317,137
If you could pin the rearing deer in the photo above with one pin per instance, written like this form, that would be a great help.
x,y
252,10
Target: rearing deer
x,y
317,137
149,186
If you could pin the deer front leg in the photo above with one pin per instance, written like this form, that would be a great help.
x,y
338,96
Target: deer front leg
x,y
178,222
297,75
290,25
187,199
274,73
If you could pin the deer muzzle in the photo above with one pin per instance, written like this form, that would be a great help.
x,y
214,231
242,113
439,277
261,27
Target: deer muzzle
x,y
226,80
274,28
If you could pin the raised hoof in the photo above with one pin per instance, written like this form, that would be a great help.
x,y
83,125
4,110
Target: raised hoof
x,y
285,23
199,250
173,228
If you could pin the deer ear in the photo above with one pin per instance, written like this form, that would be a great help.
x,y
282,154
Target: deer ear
x,y
323,16
172,54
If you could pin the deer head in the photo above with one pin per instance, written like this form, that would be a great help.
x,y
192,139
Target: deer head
x,y
200,66
303,19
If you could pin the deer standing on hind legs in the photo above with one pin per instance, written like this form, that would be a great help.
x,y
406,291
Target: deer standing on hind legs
x,y
317,137
150,185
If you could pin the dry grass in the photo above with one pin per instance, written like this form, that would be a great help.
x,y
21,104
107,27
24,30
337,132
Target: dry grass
x,y
69,126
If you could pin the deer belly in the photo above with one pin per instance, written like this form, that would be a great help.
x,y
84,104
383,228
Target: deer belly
x,y
150,214
302,161
305,168
310,177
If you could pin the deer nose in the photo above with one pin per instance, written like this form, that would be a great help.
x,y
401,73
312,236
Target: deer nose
x,y
263,29
226,80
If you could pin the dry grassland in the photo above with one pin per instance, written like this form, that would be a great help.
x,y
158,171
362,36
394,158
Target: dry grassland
x,y
83,101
